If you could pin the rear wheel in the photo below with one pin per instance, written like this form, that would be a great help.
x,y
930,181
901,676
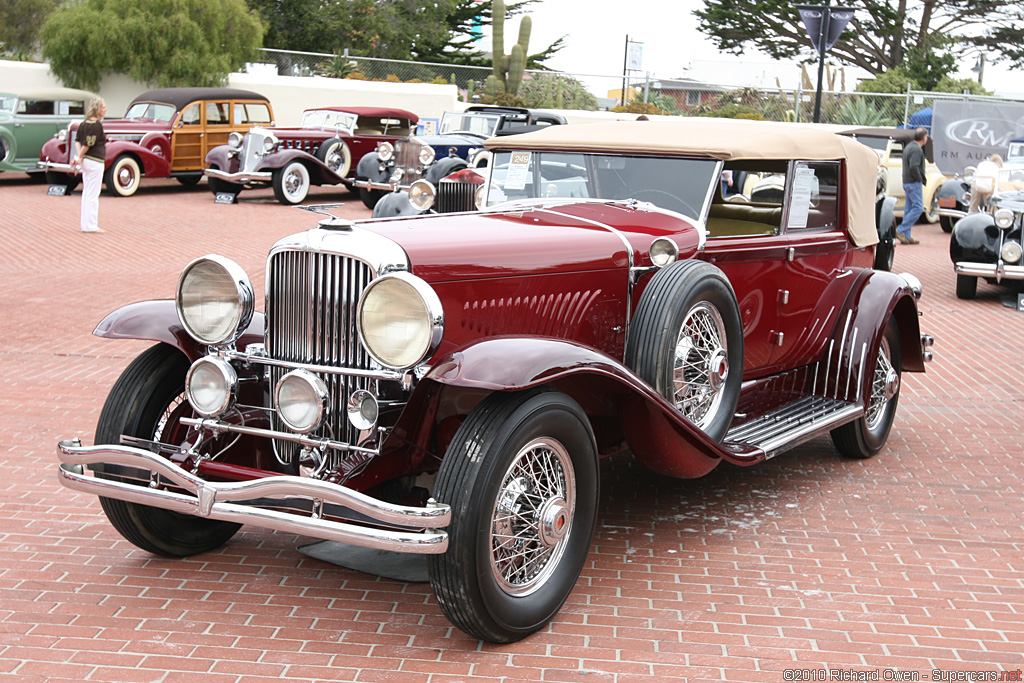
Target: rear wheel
x,y
147,401
866,436
123,177
522,480
966,286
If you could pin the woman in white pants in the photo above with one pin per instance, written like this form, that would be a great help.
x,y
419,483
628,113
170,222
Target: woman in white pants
x,y
91,146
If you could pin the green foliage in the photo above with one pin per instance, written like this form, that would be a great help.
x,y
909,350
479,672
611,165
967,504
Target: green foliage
x,y
19,25
857,111
638,107
882,35
929,62
892,81
159,42
958,85
734,110
556,91
508,68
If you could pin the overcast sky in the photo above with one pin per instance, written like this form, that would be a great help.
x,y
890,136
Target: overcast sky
x,y
672,46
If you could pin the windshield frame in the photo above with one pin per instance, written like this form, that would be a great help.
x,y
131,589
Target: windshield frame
x,y
446,127
158,107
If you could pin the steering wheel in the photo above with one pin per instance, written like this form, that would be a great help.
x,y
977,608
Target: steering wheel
x,y
667,200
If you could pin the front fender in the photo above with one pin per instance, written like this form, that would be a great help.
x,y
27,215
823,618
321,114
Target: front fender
x,y
885,219
157,320
369,168
954,188
219,157
975,238
658,434
153,165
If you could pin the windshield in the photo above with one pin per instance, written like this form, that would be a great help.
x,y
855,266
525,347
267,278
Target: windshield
x,y
483,125
677,184
325,118
8,102
150,110
1016,151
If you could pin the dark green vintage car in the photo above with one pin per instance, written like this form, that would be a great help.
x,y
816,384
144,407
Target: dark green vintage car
x,y
29,118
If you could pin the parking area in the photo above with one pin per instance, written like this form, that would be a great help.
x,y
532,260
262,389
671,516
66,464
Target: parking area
x,y
811,567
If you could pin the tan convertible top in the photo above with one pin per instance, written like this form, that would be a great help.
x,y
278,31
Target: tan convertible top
x,y
726,139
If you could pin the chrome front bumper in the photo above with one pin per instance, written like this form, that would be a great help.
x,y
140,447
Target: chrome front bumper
x,y
54,166
223,500
950,213
1000,271
239,178
386,187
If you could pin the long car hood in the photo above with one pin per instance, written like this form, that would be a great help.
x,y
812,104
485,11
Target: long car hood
x,y
536,241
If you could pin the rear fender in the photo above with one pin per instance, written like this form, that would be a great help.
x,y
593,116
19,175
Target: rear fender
x,y
845,370
153,165
158,321
616,400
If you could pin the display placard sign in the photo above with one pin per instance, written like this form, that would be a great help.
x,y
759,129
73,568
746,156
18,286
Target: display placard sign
x,y
518,171
225,198
57,190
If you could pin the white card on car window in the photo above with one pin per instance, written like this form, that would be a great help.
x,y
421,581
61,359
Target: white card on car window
x,y
518,171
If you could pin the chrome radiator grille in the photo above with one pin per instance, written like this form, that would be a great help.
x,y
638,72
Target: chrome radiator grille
x,y
249,155
311,318
407,158
452,196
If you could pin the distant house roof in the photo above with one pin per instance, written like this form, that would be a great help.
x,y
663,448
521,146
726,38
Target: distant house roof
x,y
685,84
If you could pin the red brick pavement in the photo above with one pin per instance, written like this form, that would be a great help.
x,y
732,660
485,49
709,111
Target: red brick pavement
x,y
908,562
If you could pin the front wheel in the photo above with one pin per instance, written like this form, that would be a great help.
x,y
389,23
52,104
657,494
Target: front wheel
x,y
966,286
370,197
291,183
123,177
686,341
865,436
946,222
522,480
147,401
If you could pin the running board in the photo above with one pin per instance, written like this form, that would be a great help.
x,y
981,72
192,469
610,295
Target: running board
x,y
793,424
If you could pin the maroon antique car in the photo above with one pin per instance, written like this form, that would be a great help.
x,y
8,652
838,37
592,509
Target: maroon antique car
x,y
446,384
324,150
165,133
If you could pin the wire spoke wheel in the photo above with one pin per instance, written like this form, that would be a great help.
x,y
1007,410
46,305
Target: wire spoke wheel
x,y
532,516
700,362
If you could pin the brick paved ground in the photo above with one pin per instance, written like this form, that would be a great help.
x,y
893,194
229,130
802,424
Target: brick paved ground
x,y
912,561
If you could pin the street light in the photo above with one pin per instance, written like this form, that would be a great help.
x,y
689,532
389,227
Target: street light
x,y
824,24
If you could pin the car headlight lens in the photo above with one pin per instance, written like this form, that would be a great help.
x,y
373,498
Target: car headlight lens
x,y
479,196
422,194
663,251
211,385
1004,218
301,400
62,134
969,174
385,151
235,140
400,320
426,155
269,144
214,300
1011,252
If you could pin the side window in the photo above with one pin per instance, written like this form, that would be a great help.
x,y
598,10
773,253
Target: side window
x,y
217,114
37,107
251,113
190,117
814,196
71,108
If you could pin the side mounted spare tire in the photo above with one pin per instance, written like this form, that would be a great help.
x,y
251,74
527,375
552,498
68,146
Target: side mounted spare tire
x,y
686,341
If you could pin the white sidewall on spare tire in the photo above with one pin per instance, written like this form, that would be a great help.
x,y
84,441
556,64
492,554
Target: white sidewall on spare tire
x,y
336,147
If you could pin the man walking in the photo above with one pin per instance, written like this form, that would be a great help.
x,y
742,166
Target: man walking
x,y
913,185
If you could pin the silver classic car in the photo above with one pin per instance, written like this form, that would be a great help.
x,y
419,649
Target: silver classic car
x,y
31,117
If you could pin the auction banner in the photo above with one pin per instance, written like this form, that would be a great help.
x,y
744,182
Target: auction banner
x,y
966,133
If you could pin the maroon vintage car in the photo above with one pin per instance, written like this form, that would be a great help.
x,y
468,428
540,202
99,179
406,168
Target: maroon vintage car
x,y
324,150
165,133
446,384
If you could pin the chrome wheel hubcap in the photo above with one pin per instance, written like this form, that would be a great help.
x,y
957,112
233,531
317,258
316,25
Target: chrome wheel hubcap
x,y
701,365
884,386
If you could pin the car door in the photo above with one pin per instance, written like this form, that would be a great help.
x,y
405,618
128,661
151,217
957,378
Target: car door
x,y
819,265
187,151
35,122
217,125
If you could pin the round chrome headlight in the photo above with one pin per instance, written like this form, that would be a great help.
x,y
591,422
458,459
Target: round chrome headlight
x,y
1004,218
211,386
400,320
235,140
664,251
385,151
1017,177
422,194
362,409
62,134
969,173
1011,252
269,143
301,400
479,196
214,300
426,155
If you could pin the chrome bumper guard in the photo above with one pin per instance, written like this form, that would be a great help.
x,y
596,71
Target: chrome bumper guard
x,y
950,213
220,500
54,166
371,185
239,178
1000,271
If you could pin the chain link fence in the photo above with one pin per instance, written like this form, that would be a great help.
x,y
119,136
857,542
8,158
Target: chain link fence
x,y
546,89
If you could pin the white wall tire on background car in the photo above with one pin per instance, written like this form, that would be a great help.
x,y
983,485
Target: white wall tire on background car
x,y
686,341
123,177
147,401
521,477
291,183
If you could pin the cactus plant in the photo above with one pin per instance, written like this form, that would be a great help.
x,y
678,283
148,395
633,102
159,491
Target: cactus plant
x,y
508,68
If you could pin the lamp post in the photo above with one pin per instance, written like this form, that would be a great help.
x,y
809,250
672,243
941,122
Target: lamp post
x,y
824,24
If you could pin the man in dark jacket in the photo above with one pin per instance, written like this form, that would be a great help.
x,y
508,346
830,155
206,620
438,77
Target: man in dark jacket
x,y
913,185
